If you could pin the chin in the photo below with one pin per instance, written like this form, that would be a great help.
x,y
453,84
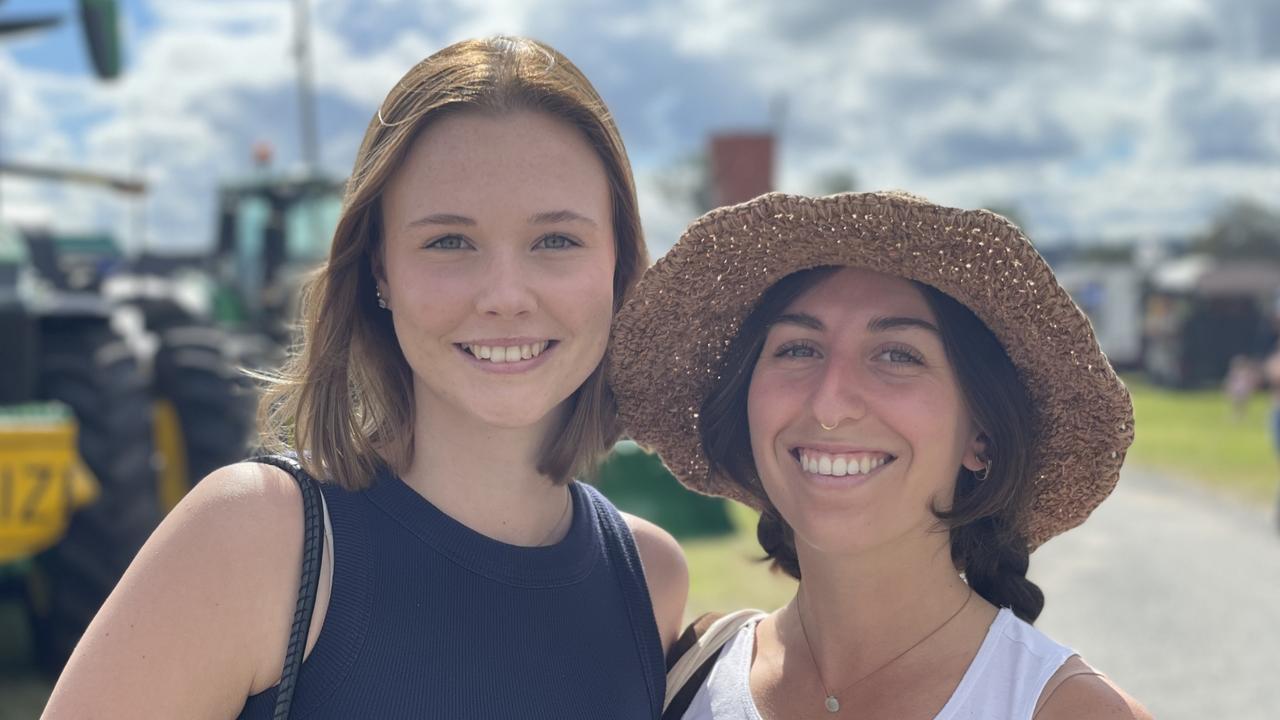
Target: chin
x,y
510,418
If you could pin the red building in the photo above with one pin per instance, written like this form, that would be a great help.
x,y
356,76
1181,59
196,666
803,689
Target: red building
x,y
741,166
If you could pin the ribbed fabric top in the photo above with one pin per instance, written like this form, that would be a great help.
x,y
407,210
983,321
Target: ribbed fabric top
x,y
431,619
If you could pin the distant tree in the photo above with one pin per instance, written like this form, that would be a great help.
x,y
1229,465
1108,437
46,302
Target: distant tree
x,y
1242,230
1107,253
686,183
1008,209
837,181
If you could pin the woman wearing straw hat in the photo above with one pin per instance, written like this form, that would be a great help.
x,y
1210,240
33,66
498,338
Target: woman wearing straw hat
x,y
914,405
448,388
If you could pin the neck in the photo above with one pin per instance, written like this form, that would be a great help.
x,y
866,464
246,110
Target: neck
x,y
486,476
860,612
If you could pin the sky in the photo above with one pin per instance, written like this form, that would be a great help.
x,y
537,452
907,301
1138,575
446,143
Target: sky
x,y
1097,120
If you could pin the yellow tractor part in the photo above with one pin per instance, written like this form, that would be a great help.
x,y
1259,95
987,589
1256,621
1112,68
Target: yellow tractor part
x,y
42,481
172,452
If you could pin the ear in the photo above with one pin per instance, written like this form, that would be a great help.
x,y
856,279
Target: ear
x,y
376,268
975,455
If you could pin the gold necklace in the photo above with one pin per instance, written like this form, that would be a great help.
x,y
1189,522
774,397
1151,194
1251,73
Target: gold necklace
x,y
832,702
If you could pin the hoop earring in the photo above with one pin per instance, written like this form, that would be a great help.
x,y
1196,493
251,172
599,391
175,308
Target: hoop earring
x,y
983,474
828,429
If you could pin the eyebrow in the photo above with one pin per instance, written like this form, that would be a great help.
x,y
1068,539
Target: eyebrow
x,y
804,320
559,216
443,219
879,324
549,217
884,324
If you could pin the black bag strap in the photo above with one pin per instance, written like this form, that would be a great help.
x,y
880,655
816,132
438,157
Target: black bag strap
x,y
312,552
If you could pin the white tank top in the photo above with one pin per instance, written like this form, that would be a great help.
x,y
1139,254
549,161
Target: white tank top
x,y
1003,682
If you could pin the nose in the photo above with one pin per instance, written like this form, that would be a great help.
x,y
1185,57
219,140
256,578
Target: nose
x,y
505,287
838,396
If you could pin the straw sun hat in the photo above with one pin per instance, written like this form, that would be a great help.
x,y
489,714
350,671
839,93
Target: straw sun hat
x,y
671,336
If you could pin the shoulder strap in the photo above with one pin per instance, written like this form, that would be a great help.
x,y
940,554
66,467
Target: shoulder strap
x,y
628,569
312,546
694,654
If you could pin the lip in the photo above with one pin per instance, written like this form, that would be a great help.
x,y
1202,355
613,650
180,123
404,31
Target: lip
x,y
506,341
507,368
836,449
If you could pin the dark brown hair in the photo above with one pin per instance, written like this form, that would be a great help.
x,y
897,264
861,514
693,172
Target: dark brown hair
x,y
344,399
985,514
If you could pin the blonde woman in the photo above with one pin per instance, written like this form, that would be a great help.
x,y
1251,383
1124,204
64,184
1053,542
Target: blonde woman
x,y
448,388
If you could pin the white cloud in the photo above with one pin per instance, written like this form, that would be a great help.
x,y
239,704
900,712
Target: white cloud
x,y
1096,118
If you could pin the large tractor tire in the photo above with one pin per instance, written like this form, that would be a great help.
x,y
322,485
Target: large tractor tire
x,y
90,368
197,371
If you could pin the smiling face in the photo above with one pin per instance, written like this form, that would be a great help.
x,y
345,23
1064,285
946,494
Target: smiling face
x,y
497,265
858,352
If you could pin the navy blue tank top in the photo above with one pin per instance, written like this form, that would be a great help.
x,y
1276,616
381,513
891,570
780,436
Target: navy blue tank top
x,y
430,619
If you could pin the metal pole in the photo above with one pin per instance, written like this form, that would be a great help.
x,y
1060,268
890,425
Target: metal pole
x,y
306,95
4,111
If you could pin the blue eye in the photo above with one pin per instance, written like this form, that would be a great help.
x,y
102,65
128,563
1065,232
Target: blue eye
x,y
797,349
555,241
448,242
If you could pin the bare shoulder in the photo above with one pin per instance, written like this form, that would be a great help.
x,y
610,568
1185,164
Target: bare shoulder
x,y
186,629
663,559
1076,690
666,573
243,494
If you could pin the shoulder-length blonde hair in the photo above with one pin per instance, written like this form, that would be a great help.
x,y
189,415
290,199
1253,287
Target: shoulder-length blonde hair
x,y
344,399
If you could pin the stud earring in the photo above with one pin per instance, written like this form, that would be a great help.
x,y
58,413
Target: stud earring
x,y
382,303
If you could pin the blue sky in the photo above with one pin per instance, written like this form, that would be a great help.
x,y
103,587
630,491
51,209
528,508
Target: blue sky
x,y
1098,120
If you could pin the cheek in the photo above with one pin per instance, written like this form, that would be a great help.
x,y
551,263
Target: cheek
x,y
587,297
766,409
428,299
936,425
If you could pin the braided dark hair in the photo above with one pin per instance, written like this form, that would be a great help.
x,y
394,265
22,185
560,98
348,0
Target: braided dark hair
x,y
985,514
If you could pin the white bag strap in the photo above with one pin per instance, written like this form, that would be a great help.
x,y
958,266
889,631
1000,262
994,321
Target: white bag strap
x,y
709,644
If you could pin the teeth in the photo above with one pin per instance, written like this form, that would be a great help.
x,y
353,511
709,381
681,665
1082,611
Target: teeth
x,y
840,465
512,353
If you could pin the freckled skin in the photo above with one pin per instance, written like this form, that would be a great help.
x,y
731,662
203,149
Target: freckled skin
x,y
499,277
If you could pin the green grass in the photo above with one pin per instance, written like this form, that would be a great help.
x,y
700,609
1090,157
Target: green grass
x,y
1194,435
725,573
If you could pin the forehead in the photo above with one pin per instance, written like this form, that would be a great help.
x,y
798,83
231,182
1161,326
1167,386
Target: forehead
x,y
473,161
855,292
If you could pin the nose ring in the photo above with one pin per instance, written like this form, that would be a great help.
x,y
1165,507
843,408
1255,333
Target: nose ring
x,y
828,429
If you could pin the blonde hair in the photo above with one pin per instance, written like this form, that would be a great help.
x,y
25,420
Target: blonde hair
x,y
344,399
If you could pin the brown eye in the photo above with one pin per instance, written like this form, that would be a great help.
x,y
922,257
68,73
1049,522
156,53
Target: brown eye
x,y
902,356
798,349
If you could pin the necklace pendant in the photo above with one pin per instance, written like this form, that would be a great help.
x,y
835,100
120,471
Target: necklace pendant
x,y
833,705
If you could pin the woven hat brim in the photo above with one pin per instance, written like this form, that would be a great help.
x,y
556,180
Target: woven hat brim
x,y
670,338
